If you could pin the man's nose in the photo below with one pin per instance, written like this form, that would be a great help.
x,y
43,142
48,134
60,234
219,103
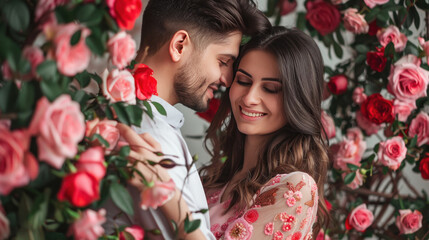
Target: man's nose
x,y
226,78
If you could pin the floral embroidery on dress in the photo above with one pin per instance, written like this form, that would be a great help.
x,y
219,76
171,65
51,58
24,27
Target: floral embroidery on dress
x,y
269,228
251,216
213,197
240,229
267,198
214,227
299,210
278,235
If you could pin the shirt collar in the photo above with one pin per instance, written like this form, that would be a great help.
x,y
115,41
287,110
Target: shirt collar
x,y
174,117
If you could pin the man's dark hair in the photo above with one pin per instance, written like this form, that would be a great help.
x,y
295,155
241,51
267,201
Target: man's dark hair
x,y
206,21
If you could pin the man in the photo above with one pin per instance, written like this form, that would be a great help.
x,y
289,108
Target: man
x,y
191,46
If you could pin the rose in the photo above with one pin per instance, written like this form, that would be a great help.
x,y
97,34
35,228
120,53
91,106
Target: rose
x,y
35,56
136,231
368,126
392,34
92,161
420,126
403,109
60,127
88,226
211,111
286,6
373,3
322,236
70,59
328,205
125,12
358,95
409,221
425,46
355,22
157,195
328,125
17,165
80,189
357,181
376,60
392,152
119,86
408,81
106,129
145,83
45,6
360,218
4,224
350,150
373,28
424,167
323,16
377,109
338,84
122,49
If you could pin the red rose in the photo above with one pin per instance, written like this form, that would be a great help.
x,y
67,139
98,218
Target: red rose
x,y
328,205
80,189
323,16
424,167
338,84
251,216
211,111
376,60
125,12
145,83
378,109
286,6
373,28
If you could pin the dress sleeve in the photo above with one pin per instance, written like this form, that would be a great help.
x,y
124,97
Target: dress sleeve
x,y
284,208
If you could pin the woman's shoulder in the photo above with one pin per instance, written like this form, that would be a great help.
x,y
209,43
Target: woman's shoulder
x,y
297,177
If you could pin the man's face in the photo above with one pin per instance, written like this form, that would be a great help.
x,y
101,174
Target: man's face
x,y
202,74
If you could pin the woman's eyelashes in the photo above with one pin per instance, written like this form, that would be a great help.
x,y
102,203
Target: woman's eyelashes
x,y
268,87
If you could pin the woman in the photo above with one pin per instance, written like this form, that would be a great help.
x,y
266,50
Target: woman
x,y
269,129
271,184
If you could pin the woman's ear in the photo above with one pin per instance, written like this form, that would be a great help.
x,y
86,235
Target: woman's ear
x,y
179,43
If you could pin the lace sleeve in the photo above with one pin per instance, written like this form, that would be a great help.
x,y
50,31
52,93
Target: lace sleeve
x,y
284,208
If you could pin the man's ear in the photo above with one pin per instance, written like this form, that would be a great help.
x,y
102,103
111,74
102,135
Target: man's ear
x,y
179,43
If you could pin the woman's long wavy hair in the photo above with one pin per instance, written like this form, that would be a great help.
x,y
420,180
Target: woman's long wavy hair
x,y
299,146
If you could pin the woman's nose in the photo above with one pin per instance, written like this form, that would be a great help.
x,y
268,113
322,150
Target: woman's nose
x,y
252,96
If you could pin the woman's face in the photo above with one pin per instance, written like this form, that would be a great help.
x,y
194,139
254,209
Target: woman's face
x,y
256,94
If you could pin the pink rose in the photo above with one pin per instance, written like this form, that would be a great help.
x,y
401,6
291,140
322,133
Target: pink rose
x,y
35,56
359,96
88,226
92,161
355,134
328,125
409,221
403,109
119,86
373,3
6,71
368,126
4,224
357,181
425,46
60,126
338,84
392,152
408,81
347,151
5,123
71,59
322,236
136,231
392,34
361,218
157,195
122,49
106,129
355,22
420,126
17,165
45,6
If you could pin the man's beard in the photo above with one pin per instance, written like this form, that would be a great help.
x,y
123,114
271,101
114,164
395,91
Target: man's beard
x,y
190,87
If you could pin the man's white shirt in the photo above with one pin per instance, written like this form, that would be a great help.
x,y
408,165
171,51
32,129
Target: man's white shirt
x,y
166,130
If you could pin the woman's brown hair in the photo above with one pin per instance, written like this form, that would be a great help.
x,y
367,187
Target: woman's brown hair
x,y
298,146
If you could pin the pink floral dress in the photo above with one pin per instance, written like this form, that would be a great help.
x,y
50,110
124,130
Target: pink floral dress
x,y
284,208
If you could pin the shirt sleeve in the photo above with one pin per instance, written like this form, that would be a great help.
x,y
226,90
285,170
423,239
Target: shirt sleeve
x,y
284,208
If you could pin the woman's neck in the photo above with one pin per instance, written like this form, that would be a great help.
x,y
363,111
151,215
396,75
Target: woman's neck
x,y
252,147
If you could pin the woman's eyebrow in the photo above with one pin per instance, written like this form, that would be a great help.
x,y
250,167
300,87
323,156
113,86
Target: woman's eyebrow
x,y
264,79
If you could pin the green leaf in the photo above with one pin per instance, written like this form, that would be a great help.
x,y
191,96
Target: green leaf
x,y
338,50
88,14
160,108
191,226
148,109
63,15
50,89
389,50
413,142
122,198
8,93
95,44
39,210
339,36
349,178
383,16
33,234
125,151
352,167
271,7
135,114
127,235
75,37
47,70
17,15
360,59
376,147
121,113
100,139
361,48
369,17
84,78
